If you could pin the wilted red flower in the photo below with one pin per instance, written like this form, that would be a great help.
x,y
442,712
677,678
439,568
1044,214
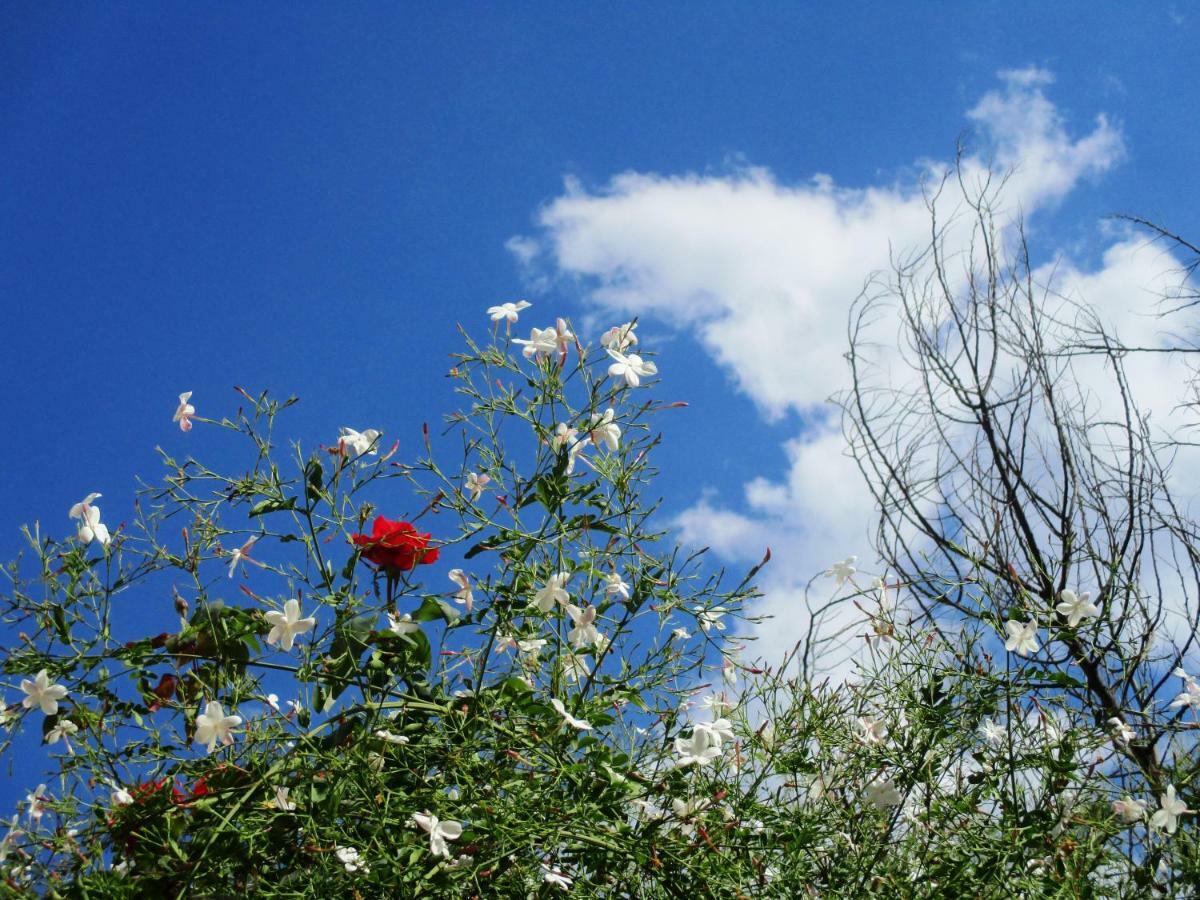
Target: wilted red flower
x,y
395,546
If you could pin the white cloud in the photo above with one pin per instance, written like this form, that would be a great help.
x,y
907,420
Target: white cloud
x,y
765,272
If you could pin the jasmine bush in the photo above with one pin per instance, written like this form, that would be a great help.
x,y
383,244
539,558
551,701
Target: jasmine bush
x,y
494,676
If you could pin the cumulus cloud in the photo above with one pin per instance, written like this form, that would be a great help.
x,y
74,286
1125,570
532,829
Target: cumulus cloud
x,y
764,273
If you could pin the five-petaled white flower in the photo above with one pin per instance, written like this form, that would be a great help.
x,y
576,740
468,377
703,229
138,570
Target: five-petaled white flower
x,y
563,337
286,625
630,367
1022,636
402,624
1129,809
993,733
711,618
874,731
728,671
120,796
718,730
566,436
242,555
697,750
581,724
476,482
681,634
353,444
1076,607
391,737
1122,733
553,592
574,667
1170,809
605,431
349,857
184,412
614,585
439,832
842,571
213,726
41,693
882,793
508,311
62,731
36,801
584,633
464,594
1191,692
90,526
619,337
542,341
281,801
555,876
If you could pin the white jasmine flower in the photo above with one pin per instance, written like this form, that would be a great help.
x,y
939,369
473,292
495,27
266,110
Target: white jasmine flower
x,y
1076,607
728,671
476,483
574,667
403,624
842,571
619,337
1191,692
697,750
1129,809
717,703
710,618
718,730
882,793
353,444
463,595
36,802
563,336
681,633
992,733
1122,733
391,737
41,693
580,724
532,645
584,633
242,555
62,731
508,311
281,801
184,412
90,526
286,625
1170,809
349,857
615,586
686,810
439,832
1022,637
120,796
553,592
632,368
874,731
213,726
554,876
542,341
565,436
605,431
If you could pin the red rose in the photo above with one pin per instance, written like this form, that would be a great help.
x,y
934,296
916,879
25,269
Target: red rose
x,y
395,546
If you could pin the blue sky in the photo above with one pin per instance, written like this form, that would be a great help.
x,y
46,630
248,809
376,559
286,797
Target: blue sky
x,y
309,198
